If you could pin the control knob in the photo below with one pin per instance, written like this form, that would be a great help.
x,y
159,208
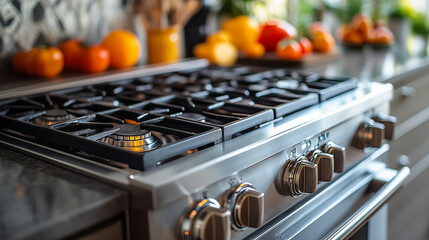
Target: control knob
x,y
298,176
325,164
369,134
207,221
339,153
246,205
388,122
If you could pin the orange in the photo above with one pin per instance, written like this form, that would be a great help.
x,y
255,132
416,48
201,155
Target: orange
x,y
323,42
254,50
124,48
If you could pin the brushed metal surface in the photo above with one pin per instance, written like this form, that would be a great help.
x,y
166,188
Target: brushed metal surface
x,y
256,157
303,219
177,179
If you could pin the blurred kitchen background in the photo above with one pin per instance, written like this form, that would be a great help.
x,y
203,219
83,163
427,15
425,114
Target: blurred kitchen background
x,y
28,23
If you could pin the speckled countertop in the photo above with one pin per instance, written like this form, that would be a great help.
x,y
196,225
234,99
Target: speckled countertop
x,y
41,201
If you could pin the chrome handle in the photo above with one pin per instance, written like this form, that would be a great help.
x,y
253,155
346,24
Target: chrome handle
x,y
349,226
407,91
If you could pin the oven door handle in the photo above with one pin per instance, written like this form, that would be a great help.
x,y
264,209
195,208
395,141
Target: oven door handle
x,y
349,226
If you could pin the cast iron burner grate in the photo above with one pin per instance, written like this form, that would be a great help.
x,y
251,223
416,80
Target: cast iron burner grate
x,y
147,121
139,139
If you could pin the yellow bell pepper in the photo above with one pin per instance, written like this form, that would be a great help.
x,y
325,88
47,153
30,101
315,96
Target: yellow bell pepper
x,y
243,29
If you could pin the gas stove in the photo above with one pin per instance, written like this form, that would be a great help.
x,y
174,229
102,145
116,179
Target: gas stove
x,y
208,152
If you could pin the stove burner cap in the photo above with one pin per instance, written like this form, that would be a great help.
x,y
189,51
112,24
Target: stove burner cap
x,y
194,116
131,132
53,116
133,138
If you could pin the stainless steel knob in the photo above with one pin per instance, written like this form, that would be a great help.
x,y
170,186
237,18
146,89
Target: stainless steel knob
x,y
389,124
325,164
298,176
369,134
207,221
246,205
339,153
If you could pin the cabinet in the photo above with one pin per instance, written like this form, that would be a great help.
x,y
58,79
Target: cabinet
x,y
408,217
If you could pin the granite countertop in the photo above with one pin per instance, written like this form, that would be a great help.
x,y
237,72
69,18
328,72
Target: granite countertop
x,y
41,201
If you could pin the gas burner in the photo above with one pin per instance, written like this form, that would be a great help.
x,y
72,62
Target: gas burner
x,y
53,116
194,116
133,138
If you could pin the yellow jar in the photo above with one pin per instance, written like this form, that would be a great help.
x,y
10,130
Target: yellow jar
x,y
163,45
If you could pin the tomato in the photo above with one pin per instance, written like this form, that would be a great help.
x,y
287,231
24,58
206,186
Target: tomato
x,y
124,48
71,50
90,59
274,31
28,61
289,49
306,45
323,42
41,62
94,59
47,62
19,61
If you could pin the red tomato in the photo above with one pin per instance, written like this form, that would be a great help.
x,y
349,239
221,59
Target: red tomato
x,y
71,50
90,59
274,31
306,45
94,59
47,62
289,49
40,61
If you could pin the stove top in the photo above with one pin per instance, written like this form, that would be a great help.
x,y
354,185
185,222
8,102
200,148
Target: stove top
x,y
145,122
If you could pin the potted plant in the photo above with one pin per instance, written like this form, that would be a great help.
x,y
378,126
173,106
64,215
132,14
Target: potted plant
x,y
420,28
400,21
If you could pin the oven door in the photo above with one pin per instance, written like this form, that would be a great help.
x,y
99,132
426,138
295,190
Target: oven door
x,y
354,206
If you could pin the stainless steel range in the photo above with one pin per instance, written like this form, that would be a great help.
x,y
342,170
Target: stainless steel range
x,y
221,153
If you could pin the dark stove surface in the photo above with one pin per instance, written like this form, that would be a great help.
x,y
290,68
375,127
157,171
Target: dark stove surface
x,y
148,121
